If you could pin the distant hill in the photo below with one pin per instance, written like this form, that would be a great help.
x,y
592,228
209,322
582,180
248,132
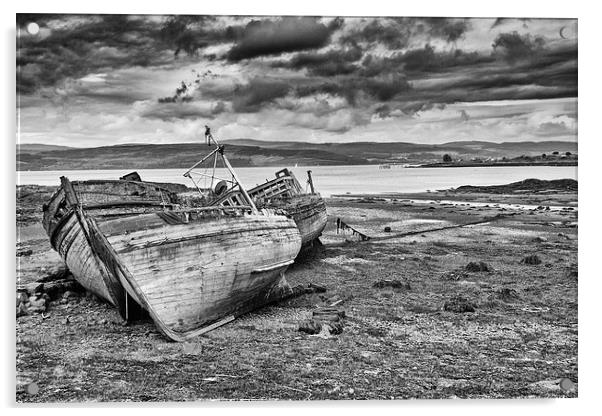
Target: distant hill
x,y
404,152
249,152
38,147
157,156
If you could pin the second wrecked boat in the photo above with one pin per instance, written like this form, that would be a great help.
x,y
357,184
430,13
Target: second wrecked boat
x,y
307,208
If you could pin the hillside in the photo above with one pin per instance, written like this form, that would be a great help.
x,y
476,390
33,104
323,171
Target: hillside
x,y
155,156
38,147
248,153
404,152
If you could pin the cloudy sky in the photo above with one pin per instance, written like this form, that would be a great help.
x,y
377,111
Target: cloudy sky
x,y
92,80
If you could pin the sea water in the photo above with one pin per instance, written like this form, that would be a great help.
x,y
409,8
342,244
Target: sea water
x,y
329,180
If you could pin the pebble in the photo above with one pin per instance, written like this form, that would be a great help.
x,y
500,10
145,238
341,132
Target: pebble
x,y
69,294
22,298
38,305
21,310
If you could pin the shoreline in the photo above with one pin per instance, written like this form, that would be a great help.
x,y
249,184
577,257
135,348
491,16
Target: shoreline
x,y
408,165
493,164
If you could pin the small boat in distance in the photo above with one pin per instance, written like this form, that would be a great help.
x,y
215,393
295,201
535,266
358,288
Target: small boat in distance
x,y
385,166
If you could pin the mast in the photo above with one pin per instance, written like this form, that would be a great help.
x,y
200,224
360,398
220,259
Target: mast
x,y
237,180
219,149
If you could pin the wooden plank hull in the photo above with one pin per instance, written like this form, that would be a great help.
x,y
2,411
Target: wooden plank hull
x,y
208,267
309,213
87,269
102,199
285,193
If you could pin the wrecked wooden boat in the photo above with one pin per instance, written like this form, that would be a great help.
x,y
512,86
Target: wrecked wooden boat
x,y
285,192
102,200
189,268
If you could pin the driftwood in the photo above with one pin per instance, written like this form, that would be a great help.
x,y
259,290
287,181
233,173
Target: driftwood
x,y
342,226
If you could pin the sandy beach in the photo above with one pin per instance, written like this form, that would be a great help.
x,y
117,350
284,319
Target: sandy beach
x,y
433,308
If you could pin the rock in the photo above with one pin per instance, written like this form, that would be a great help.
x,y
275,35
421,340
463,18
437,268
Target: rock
x,y
546,385
395,284
38,288
459,304
335,328
57,288
70,295
316,288
531,260
297,290
478,267
23,252
22,297
21,309
328,314
455,275
566,385
56,272
310,327
507,294
37,305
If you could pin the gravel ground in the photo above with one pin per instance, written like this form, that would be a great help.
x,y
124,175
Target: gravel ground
x,y
414,339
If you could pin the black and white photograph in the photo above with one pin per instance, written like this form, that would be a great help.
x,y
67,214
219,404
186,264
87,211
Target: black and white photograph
x,y
270,207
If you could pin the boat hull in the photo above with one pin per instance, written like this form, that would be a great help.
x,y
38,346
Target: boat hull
x,y
101,199
309,213
285,193
191,274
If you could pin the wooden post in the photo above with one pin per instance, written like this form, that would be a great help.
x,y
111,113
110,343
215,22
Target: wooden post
x,y
311,182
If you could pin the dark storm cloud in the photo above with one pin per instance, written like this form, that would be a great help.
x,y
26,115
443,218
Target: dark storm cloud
x,y
84,44
397,32
95,43
428,60
353,66
450,30
513,46
181,110
287,34
257,93
381,88
178,32
415,80
501,20
334,62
